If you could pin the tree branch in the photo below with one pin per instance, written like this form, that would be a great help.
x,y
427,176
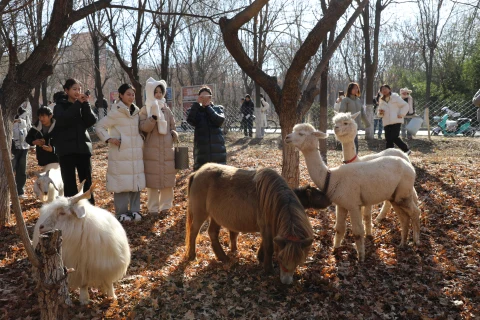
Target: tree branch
x,y
312,90
229,29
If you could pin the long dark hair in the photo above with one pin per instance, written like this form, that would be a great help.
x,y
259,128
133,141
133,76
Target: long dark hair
x,y
124,87
69,83
350,87
385,86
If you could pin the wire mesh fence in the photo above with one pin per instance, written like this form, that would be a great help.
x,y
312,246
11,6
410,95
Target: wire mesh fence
x,y
441,114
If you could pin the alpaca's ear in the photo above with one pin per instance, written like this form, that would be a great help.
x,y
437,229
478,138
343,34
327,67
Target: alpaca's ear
x,y
320,134
355,115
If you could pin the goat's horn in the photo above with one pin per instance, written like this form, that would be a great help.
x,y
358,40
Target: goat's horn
x,y
80,186
80,196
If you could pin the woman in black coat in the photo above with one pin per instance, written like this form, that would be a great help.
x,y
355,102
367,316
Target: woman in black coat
x,y
207,118
73,116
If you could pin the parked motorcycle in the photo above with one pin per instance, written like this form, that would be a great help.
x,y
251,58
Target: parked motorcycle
x,y
450,127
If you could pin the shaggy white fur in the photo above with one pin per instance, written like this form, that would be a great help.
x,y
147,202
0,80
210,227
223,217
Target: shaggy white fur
x,y
349,191
49,184
345,131
94,243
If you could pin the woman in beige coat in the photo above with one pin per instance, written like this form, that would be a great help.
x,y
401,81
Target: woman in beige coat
x,y
158,124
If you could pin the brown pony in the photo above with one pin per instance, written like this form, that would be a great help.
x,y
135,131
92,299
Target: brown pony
x,y
249,201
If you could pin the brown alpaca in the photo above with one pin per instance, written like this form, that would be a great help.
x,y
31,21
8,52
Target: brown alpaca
x,y
249,201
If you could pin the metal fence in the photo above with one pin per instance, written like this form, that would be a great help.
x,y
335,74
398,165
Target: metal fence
x,y
233,120
233,116
456,109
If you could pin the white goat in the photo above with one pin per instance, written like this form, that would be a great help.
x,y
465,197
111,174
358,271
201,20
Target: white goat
x,y
49,183
94,242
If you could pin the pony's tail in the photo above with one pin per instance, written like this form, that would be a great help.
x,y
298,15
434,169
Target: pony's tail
x,y
189,216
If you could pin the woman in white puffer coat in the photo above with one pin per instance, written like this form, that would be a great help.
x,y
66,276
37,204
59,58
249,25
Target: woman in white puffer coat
x,y
392,109
125,173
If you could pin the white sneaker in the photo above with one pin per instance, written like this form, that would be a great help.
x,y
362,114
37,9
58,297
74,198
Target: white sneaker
x,y
136,216
22,197
124,217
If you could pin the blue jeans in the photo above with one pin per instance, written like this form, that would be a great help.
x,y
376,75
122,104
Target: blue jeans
x,y
19,164
379,123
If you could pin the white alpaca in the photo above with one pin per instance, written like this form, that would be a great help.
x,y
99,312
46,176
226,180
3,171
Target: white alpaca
x,y
49,184
360,184
94,242
345,131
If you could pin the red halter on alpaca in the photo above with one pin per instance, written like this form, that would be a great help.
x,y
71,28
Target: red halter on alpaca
x,y
351,160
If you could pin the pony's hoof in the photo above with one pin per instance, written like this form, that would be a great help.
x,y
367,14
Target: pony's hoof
x,y
191,257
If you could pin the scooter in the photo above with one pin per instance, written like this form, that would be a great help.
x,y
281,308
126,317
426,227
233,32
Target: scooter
x,y
451,128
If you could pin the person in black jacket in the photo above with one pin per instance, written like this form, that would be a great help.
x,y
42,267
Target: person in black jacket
x,y
247,111
207,118
41,136
73,116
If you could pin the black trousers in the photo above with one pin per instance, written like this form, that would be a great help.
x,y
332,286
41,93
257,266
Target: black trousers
x,y
83,164
19,164
248,125
392,135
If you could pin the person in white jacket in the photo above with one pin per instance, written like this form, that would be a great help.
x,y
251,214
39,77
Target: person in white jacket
x,y
125,173
264,108
20,151
338,102
392,109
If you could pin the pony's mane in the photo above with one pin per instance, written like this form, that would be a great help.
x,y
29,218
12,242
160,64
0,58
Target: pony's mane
x,y
343,117
280,203
304,126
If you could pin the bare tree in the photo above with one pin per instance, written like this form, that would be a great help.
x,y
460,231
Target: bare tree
x,y
430,31
119,39
285,100
23,77
167,28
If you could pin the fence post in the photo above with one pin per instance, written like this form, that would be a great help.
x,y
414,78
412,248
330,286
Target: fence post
x,y
427,120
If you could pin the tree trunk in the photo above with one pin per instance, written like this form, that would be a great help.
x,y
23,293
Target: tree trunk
x,y
35,101
291,157
6,156
323,120
44,97
51,278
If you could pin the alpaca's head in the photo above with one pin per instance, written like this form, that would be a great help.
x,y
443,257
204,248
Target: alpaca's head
x,y
345,127
305,137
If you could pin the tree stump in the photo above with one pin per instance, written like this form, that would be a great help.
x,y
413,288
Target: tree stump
x,y
51,277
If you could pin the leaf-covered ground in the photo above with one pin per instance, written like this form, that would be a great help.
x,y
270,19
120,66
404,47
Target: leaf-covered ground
x,y
438,280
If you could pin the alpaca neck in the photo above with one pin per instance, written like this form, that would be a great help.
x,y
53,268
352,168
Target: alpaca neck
x,y
316,167
349,151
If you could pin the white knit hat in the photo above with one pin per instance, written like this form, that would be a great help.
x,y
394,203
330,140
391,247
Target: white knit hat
x,y
405,90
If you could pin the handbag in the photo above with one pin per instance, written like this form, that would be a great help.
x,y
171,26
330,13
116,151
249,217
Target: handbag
x,y
181,158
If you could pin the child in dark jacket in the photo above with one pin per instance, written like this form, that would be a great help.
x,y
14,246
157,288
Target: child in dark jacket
x,y
41,136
